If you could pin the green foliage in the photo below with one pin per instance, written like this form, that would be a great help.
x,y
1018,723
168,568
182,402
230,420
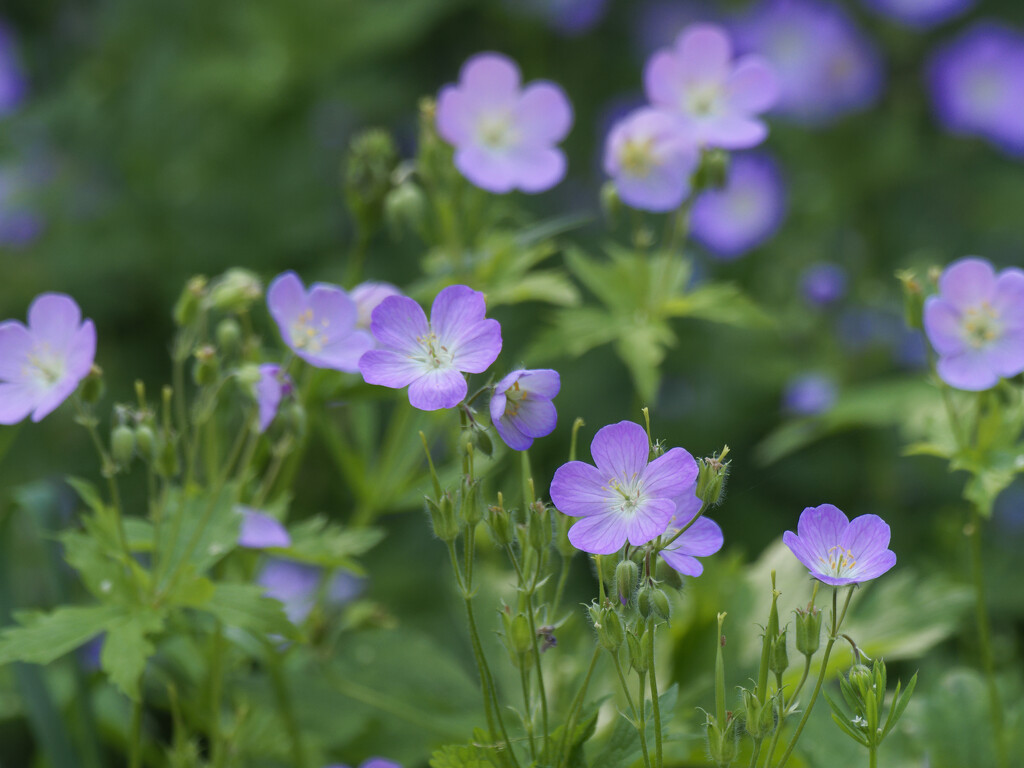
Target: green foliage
x,y
244,606
127,648
42,638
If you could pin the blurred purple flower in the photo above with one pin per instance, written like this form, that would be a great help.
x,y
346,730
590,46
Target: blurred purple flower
x,y
977,85
296,585
13,86
567,17
318,325
273,385
651,160
823,283
20,224
809,394
367,296
826,66
430,357
701,539
659,22
716,99
624,497
261,531
745,213
976,324
521,407
837,551
504,135
42,364
921,13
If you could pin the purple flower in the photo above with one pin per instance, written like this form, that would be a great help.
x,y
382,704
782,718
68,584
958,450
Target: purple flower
x,y
977,85
921,13
430,358
261,531
12,80
825,65
504,135
319,325
367,296
271,388
297,585
624,497
976,324
823,284
716,100
837,551
746,212
42,364
809,394
521,407
701,539
651,160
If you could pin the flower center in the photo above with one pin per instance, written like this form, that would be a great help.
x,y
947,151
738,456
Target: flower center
x,y
496,131
631,493
636,157
44,366
702,99
433,353
513,397
309,335
980,325
840,562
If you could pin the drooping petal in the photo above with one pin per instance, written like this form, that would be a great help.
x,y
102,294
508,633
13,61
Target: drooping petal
x,y
534,418
670,474
16,402
437,388
967,283
969,370
599,534
544,114
620,450
580,490
53,319
538,168
398,322
542,382
15,347
650,519
389,369
943,326
753,86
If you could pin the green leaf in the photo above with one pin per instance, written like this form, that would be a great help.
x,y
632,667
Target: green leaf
x,y
102,571
993,474
586,726
126,649
245,607
198,529
840,719
550,285
642,349
623,746
319,542
88,494
575,331
465,756
899,705
46,637
719,303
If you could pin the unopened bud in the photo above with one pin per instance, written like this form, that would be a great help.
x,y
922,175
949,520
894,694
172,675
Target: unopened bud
x,y
92,385
757,725
122,444
779,659
721,740
539,528
660,605
500,526
609,631
808,630
520,637
639,658
471,508
229,336
235,291
145,442
186,309
626,574
206,366
367,178
405,209
711,477
861,679
643,601
562,525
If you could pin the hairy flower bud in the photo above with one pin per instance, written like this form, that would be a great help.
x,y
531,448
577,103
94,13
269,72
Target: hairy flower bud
x,y
122,444
808,630
639,657
721,740
206,367
609,631
711,477
229,336
500,526
92,385
471,508
235,290
186,309
539,528
626,575
861,679
758,715
442,517
520,637
779,658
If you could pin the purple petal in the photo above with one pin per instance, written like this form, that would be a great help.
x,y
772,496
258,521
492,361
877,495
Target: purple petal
x,y
865,537
801,551
16,402
670,474
286,300
53,397
875,566
343,353
53,319
663,189
456,114
682,563
261,531
491,78
969,370
367,297
702,539
967,283
1008,301
539,168
733,131
82,353
705,52
15,347
456,313
542,382
752,87
600,534
332,308
499,401
620,450
820,528
491,171
543,115
534,418
398,322
474,354
269,391
650,520
513,437
379,762
1005,355
580,490
943,326
688,504
663,78
436,389
389,369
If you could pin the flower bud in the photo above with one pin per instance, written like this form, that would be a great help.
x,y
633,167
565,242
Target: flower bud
x,y
92,386
500,526
626,575
913,299
367,178
779,659
206,366
229,336
539,528
145,442
639,658
711,477
861,680
235,290
520,637
405,209
808,630
757,725
611,203
643,601
442,517
660,604
122,444
609,631
471,508
186,309
721,740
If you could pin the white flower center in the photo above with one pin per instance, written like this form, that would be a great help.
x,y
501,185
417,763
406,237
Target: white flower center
x,y
980,325
496,130
631,494
514,395
433,354
636,157
43,366
309,335
840,562
702,99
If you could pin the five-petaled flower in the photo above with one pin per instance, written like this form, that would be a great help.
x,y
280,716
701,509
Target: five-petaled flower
x,y
521,407
319,325
976,324
838,551
42,364
716,99
430,357
504,135
624,497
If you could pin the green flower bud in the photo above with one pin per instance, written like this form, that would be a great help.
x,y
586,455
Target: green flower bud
x,y
861,680
367,178
145,442
122,444
500,526
660,604
92,386
779,660
754,711
643,601
611,203
913,299
442,517
229,336
471,508
808,630
405,209
626,574
609,630
722,737
206,367
235,291
711,477
539,528
639,658
520,637
186,309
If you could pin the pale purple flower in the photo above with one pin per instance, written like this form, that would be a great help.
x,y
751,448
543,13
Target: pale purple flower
x,y
521,407
716,99
977,85
624,498
826,66
921,13
651,160
430,357
367,296
273,385
42,364
319,325
296,586
13,86
810,394
746,212
504,135
702,539
838,551
261,531
976,324
823,283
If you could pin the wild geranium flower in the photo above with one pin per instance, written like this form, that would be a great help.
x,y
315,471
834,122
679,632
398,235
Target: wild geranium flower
x,y
702,539
746,212
521,407
826,66
977,85
42,364
297,585
624,498
430,357
504,135
651,160
261,531
271,388
809,394
837,551
319,325
716,99
976,324
823,284
921,13
367,296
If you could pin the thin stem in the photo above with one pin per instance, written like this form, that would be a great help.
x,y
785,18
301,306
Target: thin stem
x,y
563,577
528,713
654,696
540,671
642,727
487,681
284,705
216,682
625,687
872,756
574,709
756,753
135,748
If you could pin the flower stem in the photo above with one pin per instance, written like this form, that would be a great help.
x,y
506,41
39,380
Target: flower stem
x,y
528,714
654,696
284,705
135,749
540,671
574,708
872,756
642,727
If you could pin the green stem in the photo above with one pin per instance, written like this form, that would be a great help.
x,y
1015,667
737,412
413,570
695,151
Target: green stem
x,y
654,696
985,638
216,683
135,747
527,710
574,710
284,705
642,727
756,753
872,756
625,687
540,671
487,681
563,577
